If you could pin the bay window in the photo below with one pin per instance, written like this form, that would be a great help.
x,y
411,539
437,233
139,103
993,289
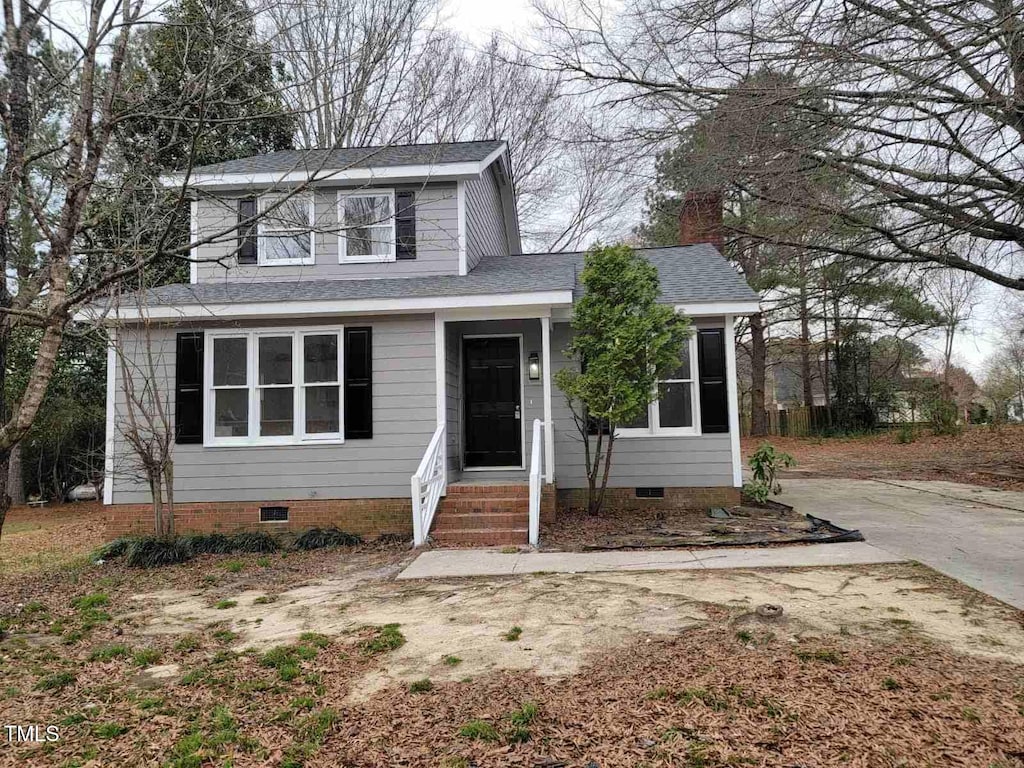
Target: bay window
x,y
272,387
675,410
367,226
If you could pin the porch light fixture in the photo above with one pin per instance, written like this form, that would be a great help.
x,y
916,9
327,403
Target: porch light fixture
x,y
534,366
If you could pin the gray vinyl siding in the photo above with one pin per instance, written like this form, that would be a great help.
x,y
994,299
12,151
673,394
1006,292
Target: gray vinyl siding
x,y
485,219
533,391
696,461
437,251
404,418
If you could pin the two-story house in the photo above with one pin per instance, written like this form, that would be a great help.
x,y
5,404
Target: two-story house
x,y
362,343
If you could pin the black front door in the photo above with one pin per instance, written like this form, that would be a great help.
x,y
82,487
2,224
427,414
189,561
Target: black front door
x,y
492,397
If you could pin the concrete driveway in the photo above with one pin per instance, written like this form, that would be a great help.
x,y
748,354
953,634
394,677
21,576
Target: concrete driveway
x,y
970,533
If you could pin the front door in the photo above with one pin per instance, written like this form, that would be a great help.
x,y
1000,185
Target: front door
x,y
492,402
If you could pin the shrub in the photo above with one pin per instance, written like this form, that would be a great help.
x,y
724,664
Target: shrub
x,y
906,434
155,552
945,417
258,541
208,544
765,463
318,538
112,549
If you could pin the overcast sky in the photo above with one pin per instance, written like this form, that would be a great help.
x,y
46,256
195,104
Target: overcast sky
x,y
478,19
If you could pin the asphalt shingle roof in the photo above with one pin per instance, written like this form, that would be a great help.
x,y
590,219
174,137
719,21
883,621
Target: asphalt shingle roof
x,y
355,157
688,274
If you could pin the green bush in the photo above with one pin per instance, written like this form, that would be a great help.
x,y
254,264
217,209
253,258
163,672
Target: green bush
x,y
906,434
945,417
765,464
318,538
154,552
208,544
112,549
257,541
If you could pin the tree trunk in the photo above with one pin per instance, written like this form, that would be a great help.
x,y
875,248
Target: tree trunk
x,y
593,467
758,417
16,478
5,499
805,337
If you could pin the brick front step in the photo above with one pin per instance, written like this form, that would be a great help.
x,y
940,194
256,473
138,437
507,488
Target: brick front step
x,y
449,521
490,537
473,489
484,504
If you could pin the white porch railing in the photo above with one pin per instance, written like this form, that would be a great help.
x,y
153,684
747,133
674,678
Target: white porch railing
x,y
536,481
428,485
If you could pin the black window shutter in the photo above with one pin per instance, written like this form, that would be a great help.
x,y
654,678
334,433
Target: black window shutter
x,y
188,399
405,224
247,234
358,383
714,401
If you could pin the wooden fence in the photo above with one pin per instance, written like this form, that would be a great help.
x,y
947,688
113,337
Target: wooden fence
x,y
792,422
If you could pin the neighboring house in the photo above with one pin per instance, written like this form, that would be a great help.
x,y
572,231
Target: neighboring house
x,y
383,325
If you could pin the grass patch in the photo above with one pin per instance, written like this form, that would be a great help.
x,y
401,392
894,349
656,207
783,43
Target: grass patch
x,y
890,684
109,652
315,639
56,681
525,715
109,730
421,686
745,637
385,638
145,657
659,693
478,730
265,600
223,605
708,698
188,643
513,634
823,655
225,636
286,659
971,715
451,661
90,602
233,566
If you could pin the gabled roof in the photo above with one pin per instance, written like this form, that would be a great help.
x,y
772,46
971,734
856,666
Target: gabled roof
x,y
356,158
693,276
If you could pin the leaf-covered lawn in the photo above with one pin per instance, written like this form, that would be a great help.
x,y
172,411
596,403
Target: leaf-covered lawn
x,y
981,455
719,694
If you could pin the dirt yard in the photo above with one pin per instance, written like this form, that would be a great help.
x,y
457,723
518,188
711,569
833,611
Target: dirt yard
x,y
982,455
322,659
35,538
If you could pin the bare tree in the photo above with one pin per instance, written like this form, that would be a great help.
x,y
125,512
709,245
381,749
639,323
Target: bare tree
x,y
925,98
955,294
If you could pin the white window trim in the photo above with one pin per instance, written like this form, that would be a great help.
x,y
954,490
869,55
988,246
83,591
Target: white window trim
x,y
343,257
299,435
262,236
654,428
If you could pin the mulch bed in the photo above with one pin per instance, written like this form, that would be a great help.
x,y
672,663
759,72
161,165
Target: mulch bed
x,y
746,525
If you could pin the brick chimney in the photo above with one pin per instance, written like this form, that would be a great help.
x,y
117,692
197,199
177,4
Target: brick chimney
x,y
700,219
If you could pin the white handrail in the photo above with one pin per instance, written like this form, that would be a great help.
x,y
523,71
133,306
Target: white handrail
x,y
428,485
535,482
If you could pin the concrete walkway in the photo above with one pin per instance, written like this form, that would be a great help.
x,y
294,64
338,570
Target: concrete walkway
x,y
444,563
971,533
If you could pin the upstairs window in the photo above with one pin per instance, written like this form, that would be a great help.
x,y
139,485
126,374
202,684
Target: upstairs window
x,y
286,229
367,226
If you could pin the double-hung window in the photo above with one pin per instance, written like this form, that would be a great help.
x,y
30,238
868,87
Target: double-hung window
x,y
366,226
677,407
286,228
272,387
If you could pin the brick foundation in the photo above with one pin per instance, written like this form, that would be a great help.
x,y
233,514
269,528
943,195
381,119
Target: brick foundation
x,y
675,498
366,517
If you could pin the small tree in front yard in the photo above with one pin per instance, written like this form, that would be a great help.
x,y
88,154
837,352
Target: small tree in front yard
x,y
623,342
